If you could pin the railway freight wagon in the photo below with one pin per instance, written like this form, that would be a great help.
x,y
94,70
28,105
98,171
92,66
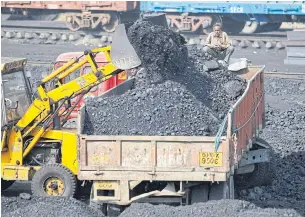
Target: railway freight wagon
x,y
105,15
178,169
247,17
185,17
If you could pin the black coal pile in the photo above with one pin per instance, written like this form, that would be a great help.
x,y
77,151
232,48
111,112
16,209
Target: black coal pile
x,y
47,207
229,208
161,50
152,111
210,83
285,132
179,91
281,87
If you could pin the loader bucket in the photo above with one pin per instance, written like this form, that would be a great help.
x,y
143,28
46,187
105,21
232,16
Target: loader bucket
x,y
122,52
159,20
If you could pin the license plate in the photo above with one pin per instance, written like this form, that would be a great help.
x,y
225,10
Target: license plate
x,y
210,159
122,76
105,185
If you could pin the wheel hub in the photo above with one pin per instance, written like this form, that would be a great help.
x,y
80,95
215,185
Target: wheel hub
x,y
54,186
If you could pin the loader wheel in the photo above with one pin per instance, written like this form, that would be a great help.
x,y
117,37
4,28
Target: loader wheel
x,y
6,184
54,180
199,193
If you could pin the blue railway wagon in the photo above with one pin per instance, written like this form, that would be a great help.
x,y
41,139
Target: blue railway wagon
x,y
248,17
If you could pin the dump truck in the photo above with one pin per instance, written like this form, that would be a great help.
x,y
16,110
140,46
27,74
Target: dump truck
x,y
126,169
179,169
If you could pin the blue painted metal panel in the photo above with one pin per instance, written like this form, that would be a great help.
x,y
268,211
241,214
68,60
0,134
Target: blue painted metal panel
x,y
293,8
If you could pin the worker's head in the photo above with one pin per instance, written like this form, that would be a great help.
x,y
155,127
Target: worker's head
x,y
217,29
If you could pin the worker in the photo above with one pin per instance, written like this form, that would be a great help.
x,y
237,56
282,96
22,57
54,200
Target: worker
x,y
217,45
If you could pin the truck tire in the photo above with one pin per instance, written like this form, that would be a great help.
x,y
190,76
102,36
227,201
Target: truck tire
x,y
99,207
259,177
199,193
54,180
109,210
223,190
5,184
114,210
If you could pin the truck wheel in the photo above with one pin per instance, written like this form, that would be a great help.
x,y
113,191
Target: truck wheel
x,y
54,180
223,190
109,210
114,210
5,184
199,193
262,173
259,177
100,207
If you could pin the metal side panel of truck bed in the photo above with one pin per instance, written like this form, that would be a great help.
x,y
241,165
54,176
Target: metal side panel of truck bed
x,y
122,162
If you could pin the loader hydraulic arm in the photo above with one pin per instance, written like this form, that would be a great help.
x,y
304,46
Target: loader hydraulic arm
x,y
42,111
42,106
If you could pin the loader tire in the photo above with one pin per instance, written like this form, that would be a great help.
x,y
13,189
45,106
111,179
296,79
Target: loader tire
x,y
5,184
54,180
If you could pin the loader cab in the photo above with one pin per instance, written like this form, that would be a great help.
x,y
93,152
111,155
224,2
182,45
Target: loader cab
x,y
15,89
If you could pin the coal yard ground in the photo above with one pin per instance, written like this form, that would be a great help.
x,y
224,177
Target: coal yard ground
x,y
189,84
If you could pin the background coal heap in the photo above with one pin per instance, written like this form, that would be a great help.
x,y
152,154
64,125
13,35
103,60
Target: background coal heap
x,y
172,95
228,208
284,131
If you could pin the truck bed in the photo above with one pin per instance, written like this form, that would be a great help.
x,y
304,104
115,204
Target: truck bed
x,y
177,158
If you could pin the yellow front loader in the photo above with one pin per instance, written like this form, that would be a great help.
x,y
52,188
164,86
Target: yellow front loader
x,y
34,147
